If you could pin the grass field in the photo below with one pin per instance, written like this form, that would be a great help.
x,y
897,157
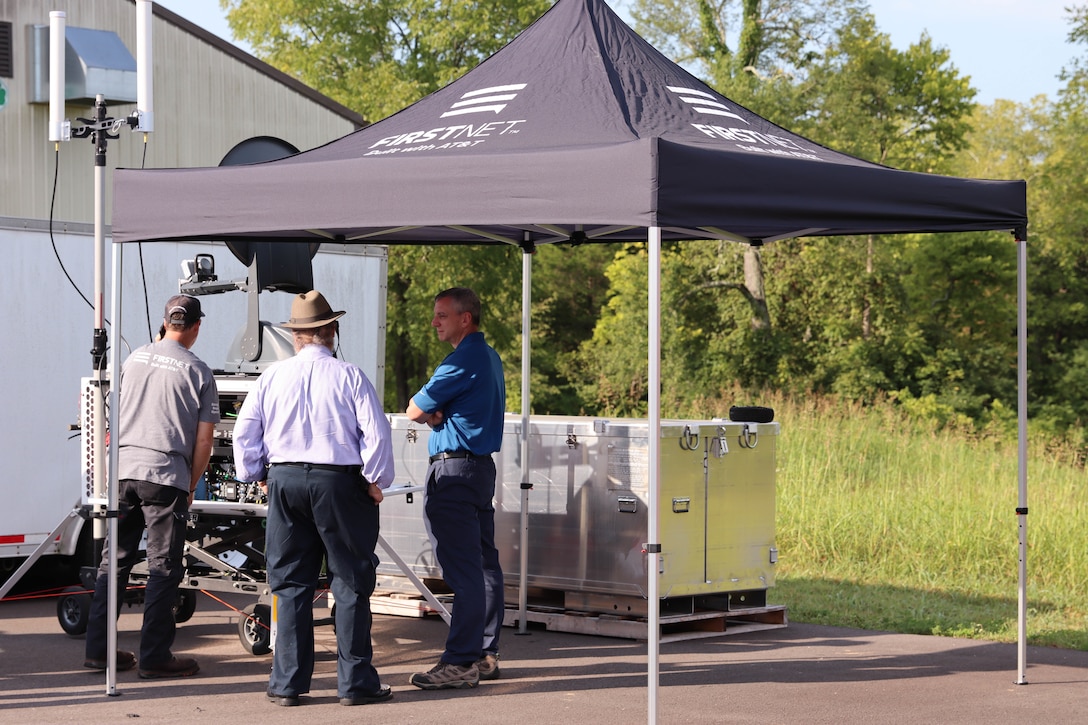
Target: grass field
x,y
884,523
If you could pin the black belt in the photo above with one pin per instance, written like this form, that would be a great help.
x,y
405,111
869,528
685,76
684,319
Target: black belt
x,y
351,470
445,455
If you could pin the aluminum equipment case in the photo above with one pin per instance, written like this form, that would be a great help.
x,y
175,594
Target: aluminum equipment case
x,y
588,513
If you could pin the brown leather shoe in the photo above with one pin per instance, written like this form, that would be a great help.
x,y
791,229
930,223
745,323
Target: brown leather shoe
x,y
488,665
125,661
174,667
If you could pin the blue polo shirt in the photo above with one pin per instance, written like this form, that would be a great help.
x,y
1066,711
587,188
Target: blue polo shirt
x,y
469,388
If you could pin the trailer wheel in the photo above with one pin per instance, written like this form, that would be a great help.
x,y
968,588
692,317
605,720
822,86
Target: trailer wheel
x,y
73,610
185,606
254,629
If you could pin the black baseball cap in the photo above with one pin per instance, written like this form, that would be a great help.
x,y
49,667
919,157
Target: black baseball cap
x,y
182,309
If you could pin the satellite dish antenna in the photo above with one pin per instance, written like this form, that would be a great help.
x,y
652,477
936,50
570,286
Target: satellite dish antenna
x,y
257,149
281,266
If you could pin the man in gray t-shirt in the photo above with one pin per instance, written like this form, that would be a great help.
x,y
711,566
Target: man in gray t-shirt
x,y
169,406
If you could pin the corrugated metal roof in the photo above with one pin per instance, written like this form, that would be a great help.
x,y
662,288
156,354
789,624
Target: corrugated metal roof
x,y
259,65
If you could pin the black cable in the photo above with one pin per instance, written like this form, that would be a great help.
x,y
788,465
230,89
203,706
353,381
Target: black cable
x,y
103,367
143,273
53,241
52,205
147,305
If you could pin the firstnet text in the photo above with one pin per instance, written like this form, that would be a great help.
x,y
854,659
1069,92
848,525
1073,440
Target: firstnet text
x,y
747,136
445,133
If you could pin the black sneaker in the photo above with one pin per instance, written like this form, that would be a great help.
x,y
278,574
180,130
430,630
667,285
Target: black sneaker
x,y
445,676
283,700
384,694
488,665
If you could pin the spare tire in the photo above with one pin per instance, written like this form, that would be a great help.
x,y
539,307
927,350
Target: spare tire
x,y
751,414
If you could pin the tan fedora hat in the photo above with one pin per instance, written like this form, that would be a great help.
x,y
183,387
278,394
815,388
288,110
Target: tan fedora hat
x,y
310,310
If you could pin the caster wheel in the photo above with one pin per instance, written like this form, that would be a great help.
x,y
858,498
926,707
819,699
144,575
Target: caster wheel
x,y
254,629
73,610
186,605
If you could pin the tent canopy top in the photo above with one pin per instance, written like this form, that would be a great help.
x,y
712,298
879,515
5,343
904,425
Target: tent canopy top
x,y
578,130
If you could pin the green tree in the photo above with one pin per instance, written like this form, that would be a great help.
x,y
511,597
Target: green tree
x,y
377,57
611,367
723,40
1058,244
569,290
840,308
758,53
908,109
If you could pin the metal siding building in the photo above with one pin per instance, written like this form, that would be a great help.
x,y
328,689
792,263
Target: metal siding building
x,y
208,97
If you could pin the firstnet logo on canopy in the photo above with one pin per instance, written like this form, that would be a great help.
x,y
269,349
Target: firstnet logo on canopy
x,y
485,100
494,100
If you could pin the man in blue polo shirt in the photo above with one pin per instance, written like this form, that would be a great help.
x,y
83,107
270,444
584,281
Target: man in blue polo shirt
x,y
463,403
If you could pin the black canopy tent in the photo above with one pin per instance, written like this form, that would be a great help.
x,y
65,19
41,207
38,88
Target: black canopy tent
x,y
578,130
577,121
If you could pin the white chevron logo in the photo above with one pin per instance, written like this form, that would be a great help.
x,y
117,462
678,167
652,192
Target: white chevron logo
x,y
492,99
703,102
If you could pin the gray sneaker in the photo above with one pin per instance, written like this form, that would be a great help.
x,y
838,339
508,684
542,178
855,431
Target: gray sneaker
x,y
488,665
445,675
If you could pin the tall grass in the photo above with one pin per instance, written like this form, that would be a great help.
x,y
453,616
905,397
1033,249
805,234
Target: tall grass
x,y
885,523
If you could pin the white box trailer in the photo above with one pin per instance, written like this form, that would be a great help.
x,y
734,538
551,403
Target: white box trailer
x,y
47,353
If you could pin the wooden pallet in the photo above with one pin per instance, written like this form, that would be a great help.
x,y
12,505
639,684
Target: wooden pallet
x,y
402,604
674,628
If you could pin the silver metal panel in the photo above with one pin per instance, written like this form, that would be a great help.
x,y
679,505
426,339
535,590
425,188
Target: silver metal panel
x,y
96,62
588,506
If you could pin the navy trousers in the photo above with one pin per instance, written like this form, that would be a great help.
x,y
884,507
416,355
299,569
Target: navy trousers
x,y
162,509
461,513
313,514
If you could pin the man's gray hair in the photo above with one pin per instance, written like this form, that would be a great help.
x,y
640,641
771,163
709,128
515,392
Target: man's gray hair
x,y
465,299
324,335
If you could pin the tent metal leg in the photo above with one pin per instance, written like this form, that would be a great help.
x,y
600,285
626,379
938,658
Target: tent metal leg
x,y
1022,453
112,482
653,546
526,486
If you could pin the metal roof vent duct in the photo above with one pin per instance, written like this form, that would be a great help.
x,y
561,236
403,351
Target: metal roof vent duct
x,y
95,61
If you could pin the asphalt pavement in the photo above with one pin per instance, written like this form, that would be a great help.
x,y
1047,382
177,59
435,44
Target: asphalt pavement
x,y
797,674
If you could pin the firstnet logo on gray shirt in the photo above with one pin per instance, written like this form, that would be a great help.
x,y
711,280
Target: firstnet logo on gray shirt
x,y
159,361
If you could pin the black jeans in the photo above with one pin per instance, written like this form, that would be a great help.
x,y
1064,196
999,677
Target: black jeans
x,y
162,510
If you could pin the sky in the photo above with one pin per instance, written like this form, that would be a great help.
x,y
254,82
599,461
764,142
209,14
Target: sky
x,y
1011,49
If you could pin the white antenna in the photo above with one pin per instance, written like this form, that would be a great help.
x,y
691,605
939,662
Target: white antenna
x,y
100,129
59,128
145,107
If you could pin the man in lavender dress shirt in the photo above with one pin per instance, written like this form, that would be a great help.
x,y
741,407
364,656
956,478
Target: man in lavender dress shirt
x,y
315,430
